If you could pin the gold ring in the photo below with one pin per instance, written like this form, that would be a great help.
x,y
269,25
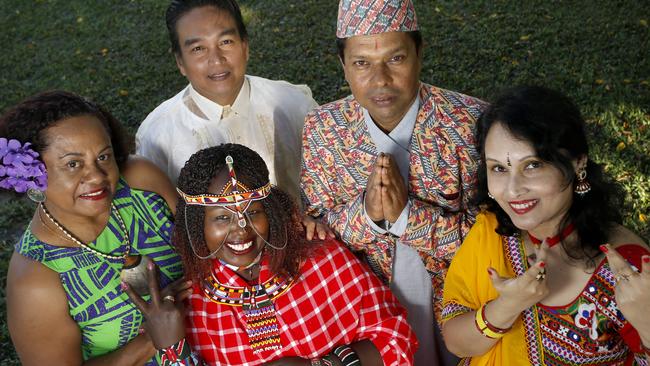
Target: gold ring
x,y
170,298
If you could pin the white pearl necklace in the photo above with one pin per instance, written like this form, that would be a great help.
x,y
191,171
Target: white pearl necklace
x,y
87,247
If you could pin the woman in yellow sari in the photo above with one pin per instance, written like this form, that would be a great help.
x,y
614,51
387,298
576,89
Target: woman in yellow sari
x,y
545,276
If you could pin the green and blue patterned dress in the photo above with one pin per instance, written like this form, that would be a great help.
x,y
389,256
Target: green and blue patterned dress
x,y
106,316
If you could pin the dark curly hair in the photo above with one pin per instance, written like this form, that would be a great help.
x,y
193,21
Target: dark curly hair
x,y
552,123
281,210
29,119
178,8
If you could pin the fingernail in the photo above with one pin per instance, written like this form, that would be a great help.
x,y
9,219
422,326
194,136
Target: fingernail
x,y
542,264
189,283
124,286
489,271
604,249
646,258
150,266
141,330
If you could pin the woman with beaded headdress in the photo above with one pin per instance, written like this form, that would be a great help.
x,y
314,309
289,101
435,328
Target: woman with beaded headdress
x,y
102,225
262,294
546,276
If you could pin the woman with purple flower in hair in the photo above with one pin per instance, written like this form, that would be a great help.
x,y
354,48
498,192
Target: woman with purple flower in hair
x,y
101,228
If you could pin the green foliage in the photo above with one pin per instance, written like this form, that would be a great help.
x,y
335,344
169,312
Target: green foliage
x,y
117,53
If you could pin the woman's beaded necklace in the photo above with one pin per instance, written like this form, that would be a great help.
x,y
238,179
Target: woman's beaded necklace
x,y
47,226
87,247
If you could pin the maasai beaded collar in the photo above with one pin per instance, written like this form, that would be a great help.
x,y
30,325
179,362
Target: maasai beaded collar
x,y
257,303
555,239
240,196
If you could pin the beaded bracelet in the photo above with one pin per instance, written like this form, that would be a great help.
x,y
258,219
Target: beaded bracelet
x,y
325,361
343,353
486,328
175,353
347,355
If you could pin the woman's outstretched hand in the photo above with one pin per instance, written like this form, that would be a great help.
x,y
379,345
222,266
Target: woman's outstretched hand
x,y
632,291
520,293
164,312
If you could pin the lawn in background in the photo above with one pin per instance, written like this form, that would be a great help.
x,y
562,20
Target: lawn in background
x,y
116,52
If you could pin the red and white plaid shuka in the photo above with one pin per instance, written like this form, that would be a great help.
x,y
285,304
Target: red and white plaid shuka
x,y
335,301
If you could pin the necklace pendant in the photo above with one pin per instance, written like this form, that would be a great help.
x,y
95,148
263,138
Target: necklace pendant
x,y
134,273
242,223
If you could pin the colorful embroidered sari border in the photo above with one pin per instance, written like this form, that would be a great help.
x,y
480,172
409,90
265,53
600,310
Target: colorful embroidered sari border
x,y
516,256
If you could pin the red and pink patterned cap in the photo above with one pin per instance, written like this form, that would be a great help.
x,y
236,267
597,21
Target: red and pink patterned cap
x,y
364,17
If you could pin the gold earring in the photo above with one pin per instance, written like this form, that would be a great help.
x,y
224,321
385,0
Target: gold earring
x,y
582,186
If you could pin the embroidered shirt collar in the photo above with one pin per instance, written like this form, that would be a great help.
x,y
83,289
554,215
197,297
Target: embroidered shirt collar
x,y
401,134
215,112
398,141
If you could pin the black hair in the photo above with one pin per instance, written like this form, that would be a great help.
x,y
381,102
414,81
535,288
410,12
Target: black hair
x,y
28,120
552,123
280,208
416,36
178,8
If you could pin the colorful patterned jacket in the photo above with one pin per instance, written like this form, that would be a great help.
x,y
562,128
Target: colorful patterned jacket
x,y
338,155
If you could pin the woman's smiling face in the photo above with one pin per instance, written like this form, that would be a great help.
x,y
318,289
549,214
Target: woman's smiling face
x,y
235,245
82,173
534,193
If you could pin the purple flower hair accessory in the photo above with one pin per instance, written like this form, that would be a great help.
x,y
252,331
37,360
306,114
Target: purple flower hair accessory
x,y
20,168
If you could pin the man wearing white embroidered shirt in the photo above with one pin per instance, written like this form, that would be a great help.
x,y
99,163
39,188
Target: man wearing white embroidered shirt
x,y
222,104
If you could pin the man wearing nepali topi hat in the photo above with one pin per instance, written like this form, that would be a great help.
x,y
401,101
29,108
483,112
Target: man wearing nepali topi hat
x,y
392,167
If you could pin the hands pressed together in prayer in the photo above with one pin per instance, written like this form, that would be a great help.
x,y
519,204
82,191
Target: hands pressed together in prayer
x,y
632,291
386,193
164,313
386,197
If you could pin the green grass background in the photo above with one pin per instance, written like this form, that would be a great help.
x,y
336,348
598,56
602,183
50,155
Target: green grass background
x,y
117,53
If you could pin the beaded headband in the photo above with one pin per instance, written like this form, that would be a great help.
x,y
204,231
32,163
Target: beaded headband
x,y
240,199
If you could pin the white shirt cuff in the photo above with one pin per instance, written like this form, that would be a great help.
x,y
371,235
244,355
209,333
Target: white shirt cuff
x,y
399,227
